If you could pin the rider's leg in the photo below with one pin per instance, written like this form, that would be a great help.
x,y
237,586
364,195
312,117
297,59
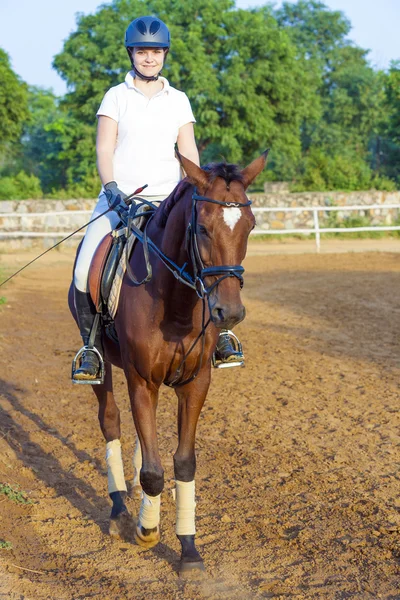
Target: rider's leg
x,y
225,350
85,311
84,306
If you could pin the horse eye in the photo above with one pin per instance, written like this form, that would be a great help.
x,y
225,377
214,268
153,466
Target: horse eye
x,y
202,230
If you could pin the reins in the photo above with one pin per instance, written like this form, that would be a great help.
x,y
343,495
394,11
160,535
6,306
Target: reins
x,y
200,272
127,200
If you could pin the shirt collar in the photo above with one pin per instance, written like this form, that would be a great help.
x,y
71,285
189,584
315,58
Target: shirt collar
x,y
130,82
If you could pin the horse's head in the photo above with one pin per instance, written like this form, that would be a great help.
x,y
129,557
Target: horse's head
x,y
220,224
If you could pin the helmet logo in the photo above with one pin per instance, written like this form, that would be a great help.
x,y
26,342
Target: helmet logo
x,y
154,27
141,25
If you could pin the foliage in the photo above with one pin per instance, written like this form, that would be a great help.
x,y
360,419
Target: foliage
x,y
20,187
338,152
347,171
387,143
5,545
247,91
13,103
286,78
14,493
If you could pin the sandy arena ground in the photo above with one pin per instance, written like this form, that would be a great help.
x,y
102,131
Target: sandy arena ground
x,y
298,453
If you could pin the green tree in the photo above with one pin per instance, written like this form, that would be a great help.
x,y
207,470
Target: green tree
x,y
336,145
239,69
387,144
13,106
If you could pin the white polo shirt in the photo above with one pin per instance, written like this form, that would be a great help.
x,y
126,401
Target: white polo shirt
x,y
147,133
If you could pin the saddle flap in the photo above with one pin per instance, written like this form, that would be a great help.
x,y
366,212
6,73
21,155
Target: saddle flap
x,y
96,269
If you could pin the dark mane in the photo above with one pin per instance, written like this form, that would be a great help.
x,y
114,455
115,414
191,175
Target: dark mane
x,y
227,172
169,203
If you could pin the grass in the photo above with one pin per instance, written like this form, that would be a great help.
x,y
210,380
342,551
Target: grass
x,y
3,299
15,494
5,545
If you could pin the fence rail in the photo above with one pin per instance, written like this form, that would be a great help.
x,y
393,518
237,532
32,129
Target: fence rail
x,y
317,230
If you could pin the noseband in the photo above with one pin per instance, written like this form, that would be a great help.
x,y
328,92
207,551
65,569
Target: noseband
x,y
199,271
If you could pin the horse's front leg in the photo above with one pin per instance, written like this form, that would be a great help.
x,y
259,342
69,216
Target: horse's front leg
x,y
144,398
191,399
121,523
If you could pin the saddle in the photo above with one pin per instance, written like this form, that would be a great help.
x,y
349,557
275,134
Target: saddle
x,y
107,270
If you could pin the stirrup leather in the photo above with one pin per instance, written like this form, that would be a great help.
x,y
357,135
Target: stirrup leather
x,y
218,364
99,379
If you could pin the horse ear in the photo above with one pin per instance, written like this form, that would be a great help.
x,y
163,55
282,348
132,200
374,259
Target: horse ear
x,y
195,174
253,169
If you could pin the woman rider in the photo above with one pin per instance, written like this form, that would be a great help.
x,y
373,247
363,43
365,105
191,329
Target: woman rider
x,y
139,122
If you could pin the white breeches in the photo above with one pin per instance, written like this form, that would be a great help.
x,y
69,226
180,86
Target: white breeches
x,y
93,236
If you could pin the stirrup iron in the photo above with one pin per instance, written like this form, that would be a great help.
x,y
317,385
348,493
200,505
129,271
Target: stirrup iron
x,y
90,347
99,379
237,346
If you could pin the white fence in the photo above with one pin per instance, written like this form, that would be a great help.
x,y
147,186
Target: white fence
x,y
315,210
317,230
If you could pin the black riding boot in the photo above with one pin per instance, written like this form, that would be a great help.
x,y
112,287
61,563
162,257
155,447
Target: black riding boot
x,y
225,351
90,363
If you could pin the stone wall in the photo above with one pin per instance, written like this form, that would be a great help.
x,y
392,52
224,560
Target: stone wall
x,y
301,219
60,217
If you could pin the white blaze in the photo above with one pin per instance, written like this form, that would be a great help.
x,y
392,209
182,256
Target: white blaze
x,y
232,216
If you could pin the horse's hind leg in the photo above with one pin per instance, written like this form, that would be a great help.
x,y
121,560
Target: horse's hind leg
x,y
121,523
191,399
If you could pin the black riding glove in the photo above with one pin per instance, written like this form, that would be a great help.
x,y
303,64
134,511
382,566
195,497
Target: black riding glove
x,y
115,199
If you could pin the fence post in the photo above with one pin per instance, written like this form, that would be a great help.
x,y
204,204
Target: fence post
x,y
316,227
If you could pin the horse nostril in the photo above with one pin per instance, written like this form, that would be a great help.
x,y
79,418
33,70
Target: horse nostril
x,y
220,314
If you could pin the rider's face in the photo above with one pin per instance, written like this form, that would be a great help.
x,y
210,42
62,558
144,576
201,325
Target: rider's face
x,y
148,61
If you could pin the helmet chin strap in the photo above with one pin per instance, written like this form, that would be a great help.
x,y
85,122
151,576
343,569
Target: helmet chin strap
x,y
145,77
138,73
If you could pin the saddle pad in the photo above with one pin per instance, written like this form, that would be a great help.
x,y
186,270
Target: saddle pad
x,y
113,298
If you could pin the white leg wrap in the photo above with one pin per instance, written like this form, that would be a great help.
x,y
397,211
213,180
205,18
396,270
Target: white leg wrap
x,y
149,515
137,462
116,479
185,508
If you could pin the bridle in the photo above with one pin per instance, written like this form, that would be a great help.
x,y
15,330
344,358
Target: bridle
x,y
200,272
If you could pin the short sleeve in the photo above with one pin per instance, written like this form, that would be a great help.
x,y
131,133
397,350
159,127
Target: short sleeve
x,y
185,112
109,106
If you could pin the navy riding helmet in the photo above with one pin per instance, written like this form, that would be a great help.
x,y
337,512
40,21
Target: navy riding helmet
x,y
146,32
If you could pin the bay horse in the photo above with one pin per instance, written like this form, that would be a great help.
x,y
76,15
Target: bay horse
x,y
167,330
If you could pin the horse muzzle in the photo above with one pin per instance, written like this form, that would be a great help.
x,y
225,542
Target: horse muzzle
x,y
227,316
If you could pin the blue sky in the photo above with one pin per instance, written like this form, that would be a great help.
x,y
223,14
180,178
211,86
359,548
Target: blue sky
x,y
33,31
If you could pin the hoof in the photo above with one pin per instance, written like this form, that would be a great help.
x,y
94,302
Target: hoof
x,y
192,570
147,538
123,527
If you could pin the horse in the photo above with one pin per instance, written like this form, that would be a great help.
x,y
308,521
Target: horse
x,y
167,331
